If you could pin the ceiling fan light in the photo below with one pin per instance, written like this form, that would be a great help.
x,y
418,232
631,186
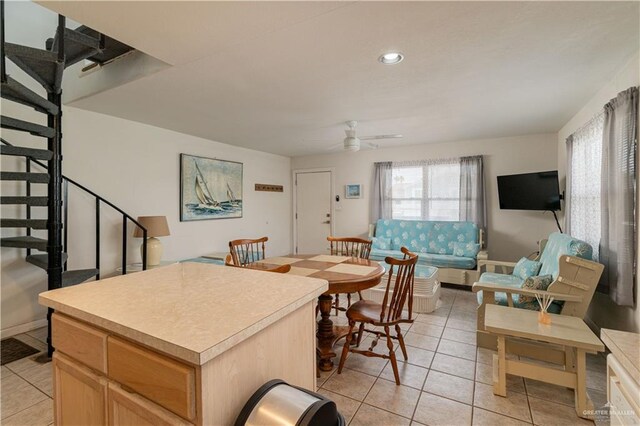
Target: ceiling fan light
x,y
391,58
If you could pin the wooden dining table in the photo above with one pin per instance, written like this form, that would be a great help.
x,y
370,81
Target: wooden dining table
x,y
344,274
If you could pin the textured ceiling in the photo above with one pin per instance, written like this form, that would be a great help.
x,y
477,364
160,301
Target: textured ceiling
x,y
282,77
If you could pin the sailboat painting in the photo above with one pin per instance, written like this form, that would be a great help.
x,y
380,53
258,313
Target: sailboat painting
x,y
209,188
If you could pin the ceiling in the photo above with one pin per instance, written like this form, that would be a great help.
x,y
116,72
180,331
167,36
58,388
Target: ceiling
x,y
282,77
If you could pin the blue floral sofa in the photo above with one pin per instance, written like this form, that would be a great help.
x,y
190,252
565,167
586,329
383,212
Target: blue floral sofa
x,y
453,247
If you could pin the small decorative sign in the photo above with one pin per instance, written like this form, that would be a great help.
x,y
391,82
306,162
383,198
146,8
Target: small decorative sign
x,y
269,188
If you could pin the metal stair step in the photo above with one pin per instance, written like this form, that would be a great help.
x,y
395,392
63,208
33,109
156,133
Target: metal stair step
x,y
24,223
38,154
42,260
41,65
112,47
78,276
24,242
16,92
29,201
25,126
29,177
77,46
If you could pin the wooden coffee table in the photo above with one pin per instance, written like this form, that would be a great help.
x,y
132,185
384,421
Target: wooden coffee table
x,y
570,332
344,274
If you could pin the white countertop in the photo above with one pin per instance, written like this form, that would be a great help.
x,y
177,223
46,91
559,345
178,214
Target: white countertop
x,y
192,311
625,346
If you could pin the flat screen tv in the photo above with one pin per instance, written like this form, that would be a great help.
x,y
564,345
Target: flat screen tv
x,y
530,191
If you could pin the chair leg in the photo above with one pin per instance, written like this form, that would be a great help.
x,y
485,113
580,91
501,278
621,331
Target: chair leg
x,y
348,299
401,341
336,303
360,333
360,295
392,355
345,348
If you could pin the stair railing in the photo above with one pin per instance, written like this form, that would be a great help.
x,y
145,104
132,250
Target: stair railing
x,y
98,200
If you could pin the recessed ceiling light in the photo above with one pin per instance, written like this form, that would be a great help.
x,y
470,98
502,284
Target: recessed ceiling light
x,y
391,58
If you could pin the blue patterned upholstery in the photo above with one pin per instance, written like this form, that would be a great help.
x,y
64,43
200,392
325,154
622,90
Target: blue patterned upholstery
x,y
512,281
557,245
526,268
432,241
381,243
204,260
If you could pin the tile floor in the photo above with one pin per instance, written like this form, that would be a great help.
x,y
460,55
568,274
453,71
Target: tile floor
x,y
447,381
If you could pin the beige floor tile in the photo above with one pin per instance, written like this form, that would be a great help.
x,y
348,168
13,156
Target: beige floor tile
x,y
419,357
514,405
372,416
485,356
550,392
410,375
465,312
551,414
462,336
36,415
461,350
31,341
324,376
434,410
449,386
4,371
484,374
487,418
346,406
461,324
597,379
369,365
39,375
421,341
388,396
17,395
432,319
427,329
25,363
40,334
350,383
453,365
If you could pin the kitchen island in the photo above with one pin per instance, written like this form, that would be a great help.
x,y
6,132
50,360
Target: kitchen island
x,y
182,344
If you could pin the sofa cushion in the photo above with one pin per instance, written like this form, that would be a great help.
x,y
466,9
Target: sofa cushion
x,y
557,245
381,243
526,268
417,235
442,235
428,259
466,249
512,282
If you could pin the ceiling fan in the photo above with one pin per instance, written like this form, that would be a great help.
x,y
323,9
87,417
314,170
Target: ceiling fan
x,y
353,143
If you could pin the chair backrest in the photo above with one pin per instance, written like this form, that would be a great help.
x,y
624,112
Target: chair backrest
x,y
350,246
578,277
561,244
282,269
392,305
247,251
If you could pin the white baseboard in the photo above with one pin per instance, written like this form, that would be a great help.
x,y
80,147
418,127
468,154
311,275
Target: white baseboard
x,y
22,328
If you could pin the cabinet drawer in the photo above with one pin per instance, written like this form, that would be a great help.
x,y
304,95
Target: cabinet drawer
x,y
131,409
161,379
80,341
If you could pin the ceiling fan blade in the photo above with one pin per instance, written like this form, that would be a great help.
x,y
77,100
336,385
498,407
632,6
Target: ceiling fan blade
x,y
335,146
375,137
370,145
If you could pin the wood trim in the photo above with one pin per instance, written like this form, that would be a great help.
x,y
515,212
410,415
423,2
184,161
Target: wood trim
x,y
81,342
161,379
126,408
538,372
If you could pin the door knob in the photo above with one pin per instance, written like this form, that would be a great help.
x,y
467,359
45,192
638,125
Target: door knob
x,y
327,221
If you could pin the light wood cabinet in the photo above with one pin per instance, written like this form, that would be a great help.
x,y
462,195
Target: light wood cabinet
x,y
80,395
130,409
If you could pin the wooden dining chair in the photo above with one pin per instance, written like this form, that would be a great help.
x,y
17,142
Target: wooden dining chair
x,y
348,246
282,269
247,251
385,315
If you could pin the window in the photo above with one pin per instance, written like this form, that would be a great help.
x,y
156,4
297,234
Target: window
x,y
585,180
426,191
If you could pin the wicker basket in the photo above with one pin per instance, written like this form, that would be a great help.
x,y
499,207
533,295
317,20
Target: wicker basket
x,y
426,290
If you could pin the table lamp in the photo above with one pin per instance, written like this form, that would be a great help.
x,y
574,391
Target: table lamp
x,y
156,227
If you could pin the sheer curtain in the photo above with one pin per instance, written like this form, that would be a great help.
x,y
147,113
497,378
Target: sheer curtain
x,y
617,244
381,192
584,159
472,197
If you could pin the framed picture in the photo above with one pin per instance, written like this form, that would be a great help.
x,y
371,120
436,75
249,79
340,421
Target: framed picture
x,y
209,188
353,190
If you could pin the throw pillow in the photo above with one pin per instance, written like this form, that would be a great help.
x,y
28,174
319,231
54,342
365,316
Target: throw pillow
x,y
466,249
381,243
526,268
540,282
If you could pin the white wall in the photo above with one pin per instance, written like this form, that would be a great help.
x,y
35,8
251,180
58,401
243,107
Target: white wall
x,y
136,167
511,234
603,313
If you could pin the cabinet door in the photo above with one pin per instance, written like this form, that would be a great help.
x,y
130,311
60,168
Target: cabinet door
x,y
80,395
130,409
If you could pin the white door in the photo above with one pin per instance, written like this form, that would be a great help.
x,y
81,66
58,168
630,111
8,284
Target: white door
x,y
313,212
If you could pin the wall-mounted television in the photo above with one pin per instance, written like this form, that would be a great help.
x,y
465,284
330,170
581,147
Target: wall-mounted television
x,y
530,191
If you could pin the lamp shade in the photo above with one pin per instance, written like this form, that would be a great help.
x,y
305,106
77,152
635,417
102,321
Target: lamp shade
x,y
156,226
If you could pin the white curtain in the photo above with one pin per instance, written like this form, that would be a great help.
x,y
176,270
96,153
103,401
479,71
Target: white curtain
x,y
617,245
584,159
472,196
381,192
